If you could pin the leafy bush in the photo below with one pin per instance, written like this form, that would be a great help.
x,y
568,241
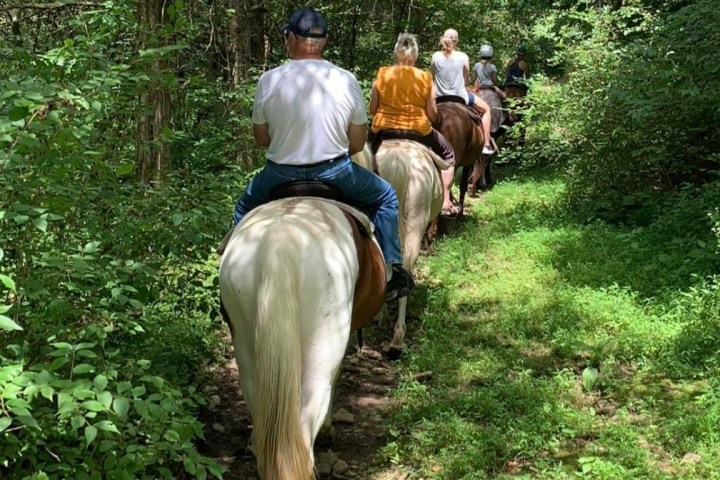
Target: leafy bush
x,y
637,110
83,411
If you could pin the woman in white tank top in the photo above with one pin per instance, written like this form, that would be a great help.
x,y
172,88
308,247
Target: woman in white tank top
x,y
451,76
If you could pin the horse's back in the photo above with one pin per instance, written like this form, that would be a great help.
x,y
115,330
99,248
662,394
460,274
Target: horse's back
x,y
465,136
308,234
498,112
410,168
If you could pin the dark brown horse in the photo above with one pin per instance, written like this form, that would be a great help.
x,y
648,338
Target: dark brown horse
x,y
516,93
500,119
461,126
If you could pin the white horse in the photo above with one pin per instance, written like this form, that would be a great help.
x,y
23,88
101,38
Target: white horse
x,y
287,282
412,170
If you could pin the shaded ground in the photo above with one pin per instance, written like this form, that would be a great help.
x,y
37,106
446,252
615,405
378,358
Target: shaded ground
x,y
362,400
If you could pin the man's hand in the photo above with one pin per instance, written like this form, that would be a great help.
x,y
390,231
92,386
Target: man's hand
x,y
357,135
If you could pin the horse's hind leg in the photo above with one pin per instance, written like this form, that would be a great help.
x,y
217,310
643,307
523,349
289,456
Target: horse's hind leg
x,y
326,435
396,345
464,180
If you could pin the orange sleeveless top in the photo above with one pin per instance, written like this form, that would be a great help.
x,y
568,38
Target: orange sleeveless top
x,y
403,91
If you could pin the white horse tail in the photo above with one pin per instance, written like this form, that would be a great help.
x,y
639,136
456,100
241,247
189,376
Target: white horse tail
x,y
280,447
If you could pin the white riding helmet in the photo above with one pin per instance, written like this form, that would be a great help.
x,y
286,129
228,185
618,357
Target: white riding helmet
x,y
486,51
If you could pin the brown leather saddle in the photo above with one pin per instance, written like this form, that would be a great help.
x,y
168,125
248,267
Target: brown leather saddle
x,y
472,113
370,285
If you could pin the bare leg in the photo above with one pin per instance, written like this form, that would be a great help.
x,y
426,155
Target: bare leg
x,y
447,179
481,106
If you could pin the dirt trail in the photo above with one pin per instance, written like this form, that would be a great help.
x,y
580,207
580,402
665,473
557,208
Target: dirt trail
x,y
359,410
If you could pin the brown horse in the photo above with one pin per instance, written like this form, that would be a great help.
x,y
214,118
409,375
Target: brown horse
x,y
461,126
516,92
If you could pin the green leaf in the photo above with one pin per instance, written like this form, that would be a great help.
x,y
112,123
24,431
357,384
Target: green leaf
x,y
201,472
21,219
217,470
125,169
121,405
189,466
91,247
41,224
90,434
83,368
8,282
5,422
589,378
172,436
139,391
177,219
77,421
100,382
47,391
28,420
93,406
7,324
18,113
105,398
107,426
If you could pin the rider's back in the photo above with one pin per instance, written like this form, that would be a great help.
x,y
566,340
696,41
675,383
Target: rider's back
x,y
299,93
448,73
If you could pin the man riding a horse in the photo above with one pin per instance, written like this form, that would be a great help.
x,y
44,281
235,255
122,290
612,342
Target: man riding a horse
x,y
311,129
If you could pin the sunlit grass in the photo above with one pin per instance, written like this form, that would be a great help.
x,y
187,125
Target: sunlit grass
x,y
516,302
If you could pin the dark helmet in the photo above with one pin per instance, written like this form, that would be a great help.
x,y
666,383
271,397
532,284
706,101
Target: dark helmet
x,y
522,49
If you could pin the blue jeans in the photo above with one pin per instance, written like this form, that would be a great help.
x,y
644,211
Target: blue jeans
x,y
357,184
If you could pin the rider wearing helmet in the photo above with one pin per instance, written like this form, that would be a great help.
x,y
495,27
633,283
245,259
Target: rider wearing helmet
x,y
485,73
518,67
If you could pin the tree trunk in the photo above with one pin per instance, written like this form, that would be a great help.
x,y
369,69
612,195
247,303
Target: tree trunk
x,y
152,146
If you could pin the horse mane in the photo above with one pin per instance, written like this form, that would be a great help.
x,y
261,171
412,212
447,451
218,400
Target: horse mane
x,y
277,437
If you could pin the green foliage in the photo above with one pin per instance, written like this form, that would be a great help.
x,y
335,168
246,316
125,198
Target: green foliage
x,y
558,349
82,410
637,113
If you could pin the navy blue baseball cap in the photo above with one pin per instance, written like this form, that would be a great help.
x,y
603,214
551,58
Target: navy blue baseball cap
x,y
307,22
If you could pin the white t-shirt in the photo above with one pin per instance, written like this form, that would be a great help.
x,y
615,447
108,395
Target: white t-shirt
x,y
448,73
308,106
484,73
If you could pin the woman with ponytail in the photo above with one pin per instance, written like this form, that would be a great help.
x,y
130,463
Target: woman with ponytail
x,y
451,76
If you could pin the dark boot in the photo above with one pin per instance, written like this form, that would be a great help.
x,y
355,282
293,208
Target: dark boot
x,y
400,284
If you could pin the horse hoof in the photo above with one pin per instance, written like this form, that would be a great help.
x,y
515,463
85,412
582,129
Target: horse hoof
x,y
394,353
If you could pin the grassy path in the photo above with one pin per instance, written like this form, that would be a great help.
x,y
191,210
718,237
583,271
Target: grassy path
x,y
560,349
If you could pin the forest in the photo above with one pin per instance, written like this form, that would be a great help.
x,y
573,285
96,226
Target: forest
x,y
568,327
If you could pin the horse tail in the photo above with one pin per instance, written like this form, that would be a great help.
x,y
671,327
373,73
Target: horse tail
x,y
280,447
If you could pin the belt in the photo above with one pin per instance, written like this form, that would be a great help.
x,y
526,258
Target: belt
x,y
323,162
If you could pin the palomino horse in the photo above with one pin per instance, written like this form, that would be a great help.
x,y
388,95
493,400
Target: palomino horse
x,y
296,276
460,125
412,170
